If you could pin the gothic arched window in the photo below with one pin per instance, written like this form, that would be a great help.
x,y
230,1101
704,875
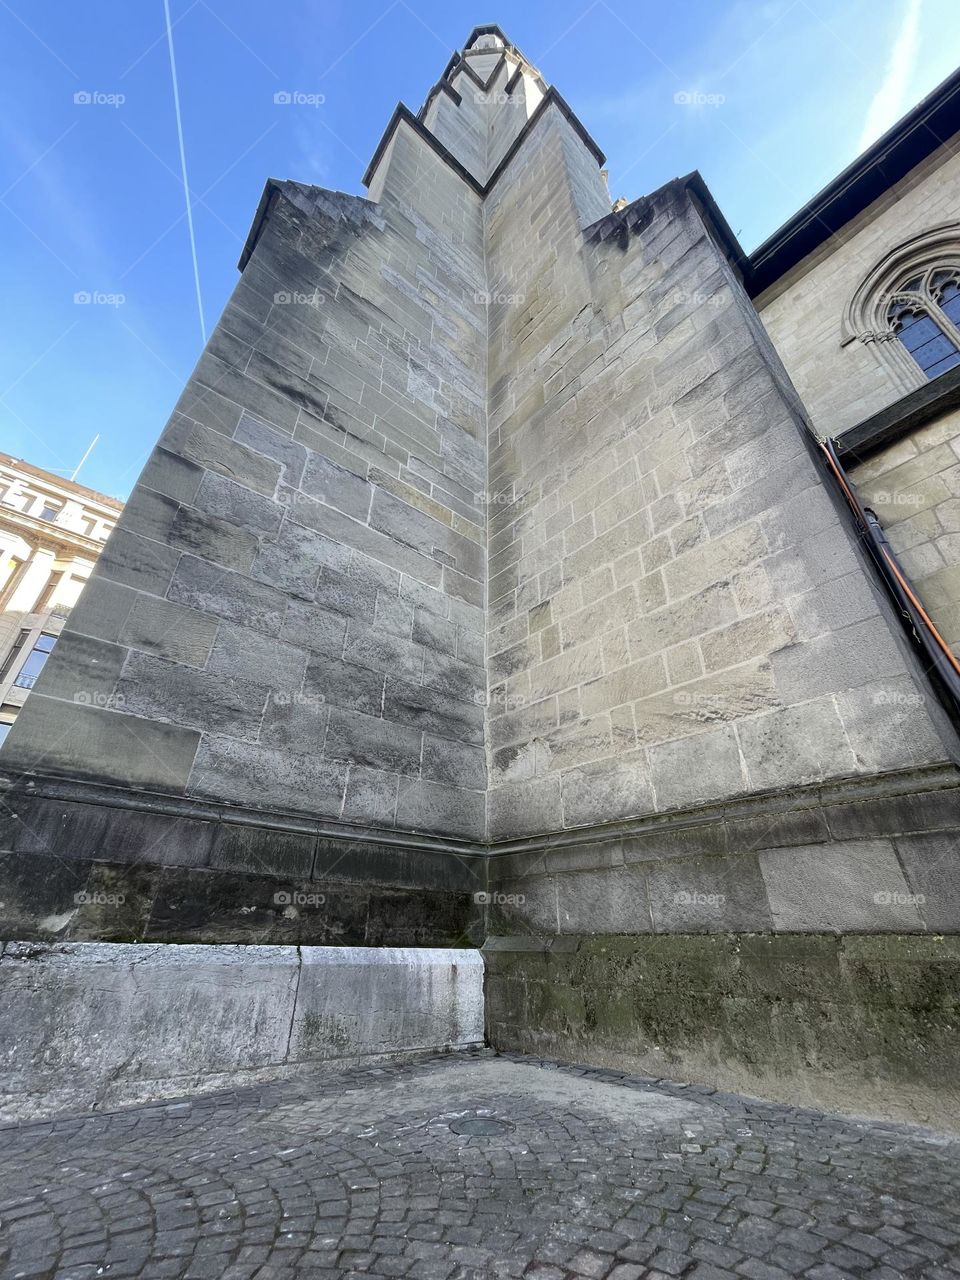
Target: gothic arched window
x,y
907,308
925,316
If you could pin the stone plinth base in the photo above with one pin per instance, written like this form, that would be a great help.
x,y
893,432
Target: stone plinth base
x,y
865,1024
94,1024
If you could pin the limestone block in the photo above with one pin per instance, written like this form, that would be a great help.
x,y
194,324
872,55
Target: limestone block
x,y
234,596
431,806
247,459
371,741
798,744
710,895
266,777
88,674
102,1023
169,631
605,790
931,865
221,541
355,1000
523,808
852,886
692,770
371,796
86,741
160,690
612,901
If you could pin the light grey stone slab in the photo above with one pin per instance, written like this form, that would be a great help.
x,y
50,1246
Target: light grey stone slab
x,y
931,865
796,745
267,777
86,1023
708,895
692,770
605,790
250,655
854,886
371,741
445,760
169,631
607,901
216,591
431,806
83,741
386,999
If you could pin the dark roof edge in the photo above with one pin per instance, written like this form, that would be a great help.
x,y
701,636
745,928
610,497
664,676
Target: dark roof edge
x,y
911,411
442,86
695,187
910,141
403,114
722,231
259,218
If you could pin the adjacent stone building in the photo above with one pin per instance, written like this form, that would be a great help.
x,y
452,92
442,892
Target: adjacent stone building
x,y
489,585
51,532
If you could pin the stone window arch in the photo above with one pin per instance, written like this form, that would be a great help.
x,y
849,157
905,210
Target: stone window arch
x,y
907,308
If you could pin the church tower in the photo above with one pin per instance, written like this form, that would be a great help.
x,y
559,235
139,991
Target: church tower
x,y
485,582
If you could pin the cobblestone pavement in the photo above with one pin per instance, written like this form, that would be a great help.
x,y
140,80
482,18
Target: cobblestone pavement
x,y
476,1166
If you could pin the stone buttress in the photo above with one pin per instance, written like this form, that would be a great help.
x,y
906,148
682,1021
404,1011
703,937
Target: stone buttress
x,y
485,584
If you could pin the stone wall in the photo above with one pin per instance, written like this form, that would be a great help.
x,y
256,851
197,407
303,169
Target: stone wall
x,y
82,863
677,609
85,1024
290,611
860,1024
461,405
856,856
843,382
913,485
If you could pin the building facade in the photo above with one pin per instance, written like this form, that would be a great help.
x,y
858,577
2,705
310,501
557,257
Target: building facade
x,y
52,531
490,585
860,293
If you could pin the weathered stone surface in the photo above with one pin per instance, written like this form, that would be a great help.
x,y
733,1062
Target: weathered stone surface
x,y
488,513
842,887
82,1018
696,769
430,806
352,1001
270,777
862,1022
78,740
169,631
368,740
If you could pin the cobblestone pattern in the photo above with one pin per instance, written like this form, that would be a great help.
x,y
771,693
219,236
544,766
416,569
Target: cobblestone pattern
x,y
597,1175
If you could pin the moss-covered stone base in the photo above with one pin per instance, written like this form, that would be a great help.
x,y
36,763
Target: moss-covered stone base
x,y
863,1024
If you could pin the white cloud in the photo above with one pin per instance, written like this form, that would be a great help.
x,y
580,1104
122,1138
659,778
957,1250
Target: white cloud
x,y
891,99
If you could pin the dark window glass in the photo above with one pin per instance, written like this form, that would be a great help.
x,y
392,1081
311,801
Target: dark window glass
x,y
950,302
49,513
4,730
27,675
949,362
923,338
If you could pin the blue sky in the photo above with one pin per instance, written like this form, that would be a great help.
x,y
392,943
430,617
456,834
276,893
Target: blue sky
x,y
91,198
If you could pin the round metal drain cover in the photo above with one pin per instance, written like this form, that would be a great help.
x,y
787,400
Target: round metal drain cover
x,y
480,1126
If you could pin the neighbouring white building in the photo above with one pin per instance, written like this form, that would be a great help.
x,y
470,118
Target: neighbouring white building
x,y
51,533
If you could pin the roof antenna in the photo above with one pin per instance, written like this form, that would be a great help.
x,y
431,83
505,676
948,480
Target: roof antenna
x,y
85,456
